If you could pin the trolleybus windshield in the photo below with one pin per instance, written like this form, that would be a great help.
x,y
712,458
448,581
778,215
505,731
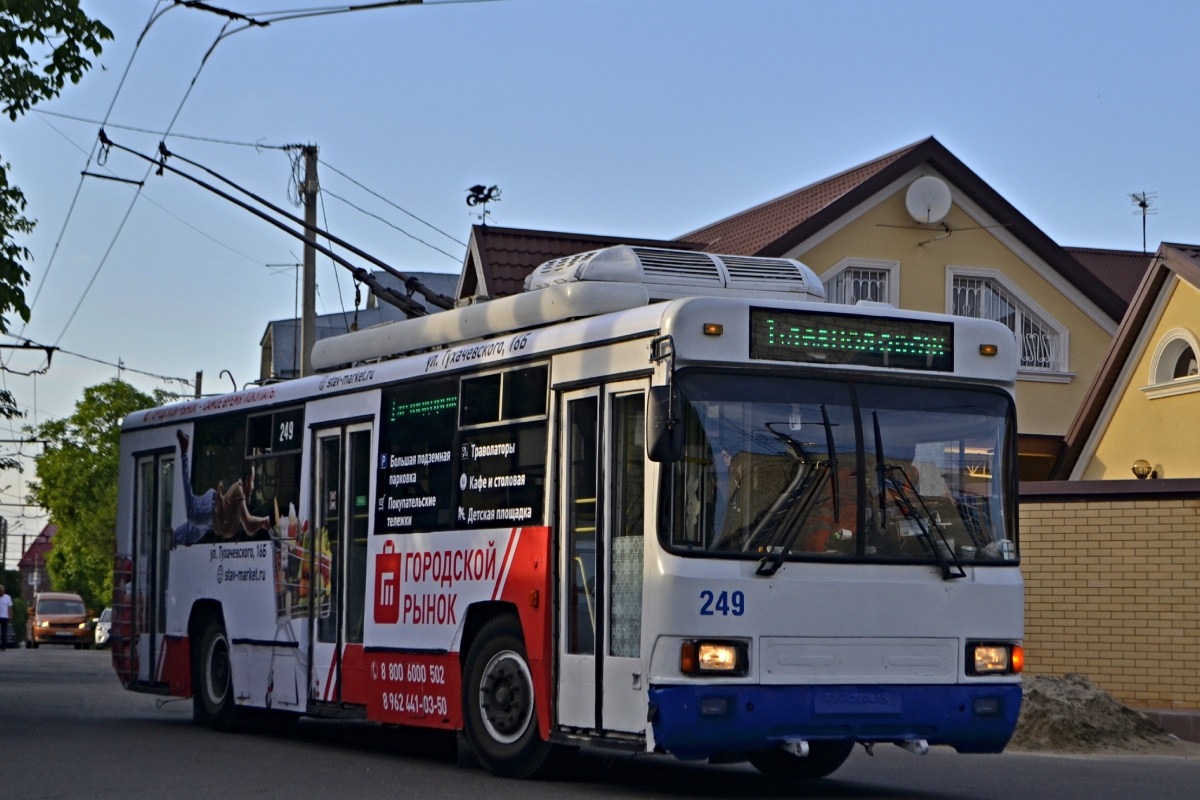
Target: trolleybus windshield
x,y
913,468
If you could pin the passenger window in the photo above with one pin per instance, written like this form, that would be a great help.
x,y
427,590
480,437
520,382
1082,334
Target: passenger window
x,y
480,400
525,392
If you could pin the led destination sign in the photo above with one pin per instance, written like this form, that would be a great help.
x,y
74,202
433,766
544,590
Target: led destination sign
x,y
851,340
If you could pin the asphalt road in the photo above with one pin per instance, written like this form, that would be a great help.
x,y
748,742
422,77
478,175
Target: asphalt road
x,y
67,730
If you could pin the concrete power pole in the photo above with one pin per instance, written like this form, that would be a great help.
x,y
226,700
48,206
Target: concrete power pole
x,y
308,316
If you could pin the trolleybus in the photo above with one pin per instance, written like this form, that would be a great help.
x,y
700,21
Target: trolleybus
x,y
660,501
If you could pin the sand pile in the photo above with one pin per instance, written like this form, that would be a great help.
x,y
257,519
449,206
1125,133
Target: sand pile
x,y
1072,714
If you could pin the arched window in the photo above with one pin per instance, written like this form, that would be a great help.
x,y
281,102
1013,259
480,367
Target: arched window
x,y
1174,367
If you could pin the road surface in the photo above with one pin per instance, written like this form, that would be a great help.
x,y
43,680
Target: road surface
x,y
67,730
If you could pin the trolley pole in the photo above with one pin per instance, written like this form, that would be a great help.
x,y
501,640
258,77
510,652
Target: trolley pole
x,y
308,315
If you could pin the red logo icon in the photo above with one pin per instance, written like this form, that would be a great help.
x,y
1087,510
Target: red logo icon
x,y
387,585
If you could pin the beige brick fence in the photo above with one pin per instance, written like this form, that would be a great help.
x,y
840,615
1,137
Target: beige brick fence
x,y
1112,586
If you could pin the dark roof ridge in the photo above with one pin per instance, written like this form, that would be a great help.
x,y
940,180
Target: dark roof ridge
x,y
807,187
1112,250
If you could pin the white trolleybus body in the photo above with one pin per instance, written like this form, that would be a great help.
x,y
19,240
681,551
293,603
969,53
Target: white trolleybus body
x,y
660,501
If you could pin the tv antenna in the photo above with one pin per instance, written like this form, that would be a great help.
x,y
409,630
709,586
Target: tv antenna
x,y
1145,204
480,195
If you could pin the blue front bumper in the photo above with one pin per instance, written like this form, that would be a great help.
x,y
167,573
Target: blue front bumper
x,y
698,721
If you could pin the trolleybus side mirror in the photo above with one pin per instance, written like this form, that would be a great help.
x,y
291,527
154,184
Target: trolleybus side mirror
x,y
664,435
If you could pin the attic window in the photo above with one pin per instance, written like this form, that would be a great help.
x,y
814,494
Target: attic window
x,y
989,296
1174,367
852,280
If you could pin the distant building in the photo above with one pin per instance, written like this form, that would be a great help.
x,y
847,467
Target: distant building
x,y
34,576
280,342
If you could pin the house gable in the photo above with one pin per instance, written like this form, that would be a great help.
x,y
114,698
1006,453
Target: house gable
x,y
1124,416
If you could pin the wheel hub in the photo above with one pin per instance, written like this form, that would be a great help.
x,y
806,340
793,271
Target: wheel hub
x,y
506,697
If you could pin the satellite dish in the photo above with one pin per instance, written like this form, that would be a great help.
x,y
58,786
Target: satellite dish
x,y
928,199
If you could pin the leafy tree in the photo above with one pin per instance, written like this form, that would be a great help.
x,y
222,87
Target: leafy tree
x,y
61,36
77,483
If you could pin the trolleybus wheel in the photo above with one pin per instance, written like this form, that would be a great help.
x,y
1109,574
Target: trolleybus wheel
x,y
216,677
498,704
822,759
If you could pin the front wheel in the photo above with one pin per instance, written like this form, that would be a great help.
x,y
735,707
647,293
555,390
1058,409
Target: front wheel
x,y
216,677
498,702
822,759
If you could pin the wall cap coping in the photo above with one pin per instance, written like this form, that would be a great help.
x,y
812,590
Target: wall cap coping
x,y
1082,491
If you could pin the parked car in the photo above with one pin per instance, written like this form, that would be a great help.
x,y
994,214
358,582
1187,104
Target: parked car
x,y
103,628
58,618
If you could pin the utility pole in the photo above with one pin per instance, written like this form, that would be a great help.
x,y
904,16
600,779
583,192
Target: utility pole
x,y
308,315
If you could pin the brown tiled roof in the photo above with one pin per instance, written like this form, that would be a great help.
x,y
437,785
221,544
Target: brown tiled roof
x,y
507,255
1119,270
776,227
1180,259
42,544
748,232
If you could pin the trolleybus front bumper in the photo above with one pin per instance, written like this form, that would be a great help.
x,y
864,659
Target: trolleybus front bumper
x,y
699,721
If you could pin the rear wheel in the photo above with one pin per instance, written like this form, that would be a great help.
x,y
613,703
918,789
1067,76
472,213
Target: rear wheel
x,y
498,702
216,677
822,759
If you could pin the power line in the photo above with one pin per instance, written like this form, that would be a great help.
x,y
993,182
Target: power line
x,y
454,258
393,205
255,145
34,345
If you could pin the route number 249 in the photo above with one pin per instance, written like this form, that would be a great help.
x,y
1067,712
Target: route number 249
x,y
725,603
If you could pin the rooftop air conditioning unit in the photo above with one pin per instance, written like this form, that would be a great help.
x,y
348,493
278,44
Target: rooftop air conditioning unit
x,y
670,274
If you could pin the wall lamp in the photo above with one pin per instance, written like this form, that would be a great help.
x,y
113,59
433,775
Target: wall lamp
x,y
1142,469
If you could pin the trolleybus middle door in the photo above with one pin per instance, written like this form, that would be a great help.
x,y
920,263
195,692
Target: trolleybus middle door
x,y
602,518
341,483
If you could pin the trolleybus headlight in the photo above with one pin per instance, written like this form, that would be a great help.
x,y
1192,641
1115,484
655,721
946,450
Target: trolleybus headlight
x,y
713,658
994,659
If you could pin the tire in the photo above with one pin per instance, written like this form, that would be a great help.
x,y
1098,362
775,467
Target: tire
x,y
78,646
215,687
31,643
822,759
498,704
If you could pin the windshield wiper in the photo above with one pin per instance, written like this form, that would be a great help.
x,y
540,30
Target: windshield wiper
x,y
808,483
909,511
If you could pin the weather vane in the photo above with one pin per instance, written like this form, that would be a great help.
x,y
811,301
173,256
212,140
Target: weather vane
x,y
480,195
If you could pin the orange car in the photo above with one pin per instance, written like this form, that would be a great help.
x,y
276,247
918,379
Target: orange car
x,y
59,618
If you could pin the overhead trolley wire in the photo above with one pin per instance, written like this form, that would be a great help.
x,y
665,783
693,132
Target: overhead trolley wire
x,y
138,192
401,301
154,16
160,207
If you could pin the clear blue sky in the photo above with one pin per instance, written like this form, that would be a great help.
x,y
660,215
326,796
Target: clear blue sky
x,y
620,116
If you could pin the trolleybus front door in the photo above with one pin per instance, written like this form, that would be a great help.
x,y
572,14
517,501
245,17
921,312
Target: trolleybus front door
x,y
341,499
602,524
154,488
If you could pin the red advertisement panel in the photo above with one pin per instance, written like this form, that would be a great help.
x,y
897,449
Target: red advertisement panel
x,y
414,689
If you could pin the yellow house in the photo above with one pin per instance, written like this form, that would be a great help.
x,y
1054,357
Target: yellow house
x,y
1145,402
981,257
1108,549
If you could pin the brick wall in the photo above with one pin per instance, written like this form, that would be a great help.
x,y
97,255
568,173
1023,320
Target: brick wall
x,y
1112,591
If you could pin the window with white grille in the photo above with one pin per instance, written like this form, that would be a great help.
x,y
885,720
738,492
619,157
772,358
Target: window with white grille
x,y
859,283
1040,341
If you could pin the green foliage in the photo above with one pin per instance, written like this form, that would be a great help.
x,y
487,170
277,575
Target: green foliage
x,y
43,44
77,483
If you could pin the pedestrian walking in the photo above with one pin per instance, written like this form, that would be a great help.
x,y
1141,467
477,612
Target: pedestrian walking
x,y
5,616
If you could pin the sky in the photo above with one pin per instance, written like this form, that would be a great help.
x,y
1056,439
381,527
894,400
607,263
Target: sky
x,y
632,117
